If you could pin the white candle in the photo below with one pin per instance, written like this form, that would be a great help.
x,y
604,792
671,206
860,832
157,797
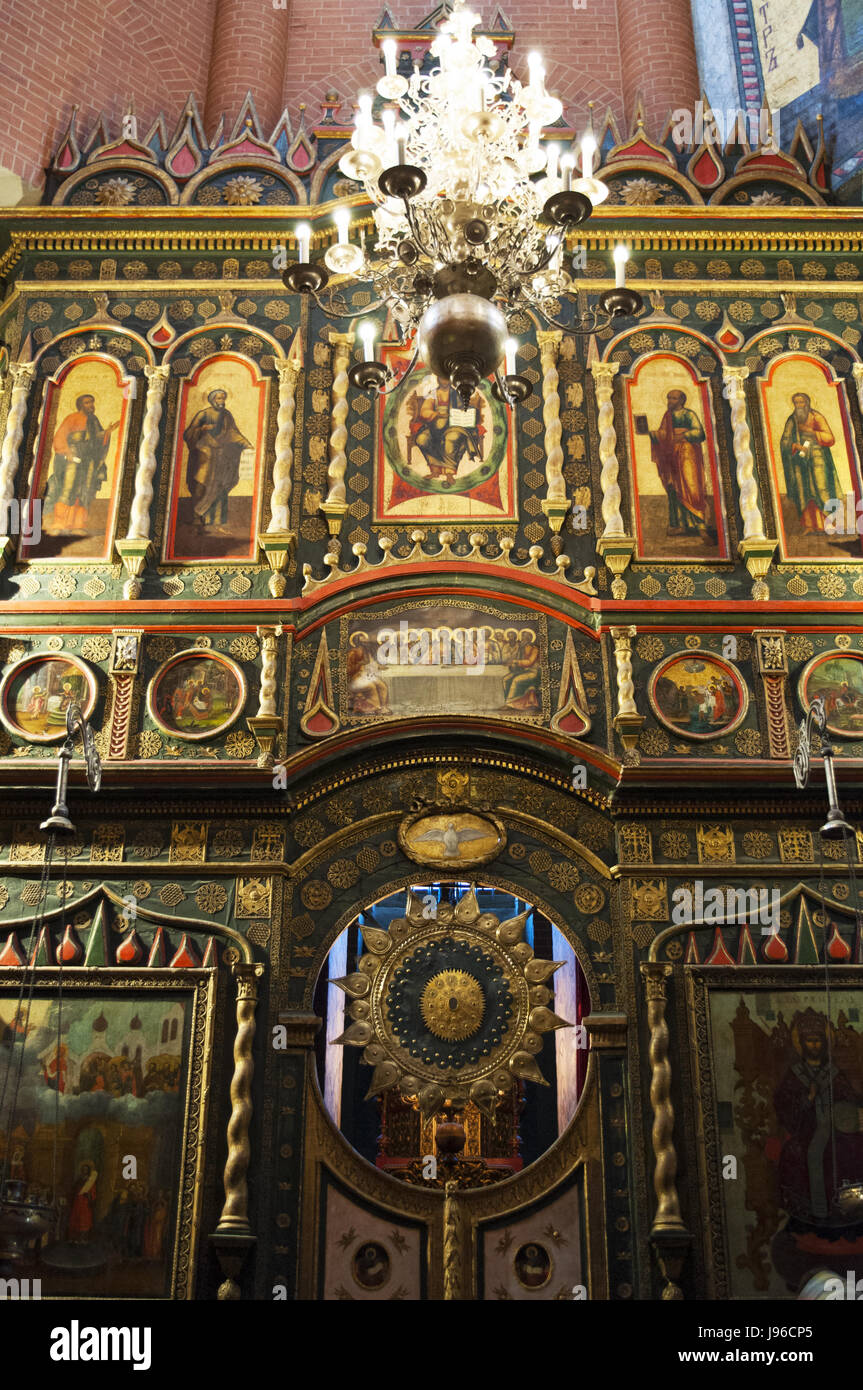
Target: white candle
x,y
342,219
588,150
367,331
509,349
304,236
621,256
401,144
551,166
389,51
364,118
567,164
535,69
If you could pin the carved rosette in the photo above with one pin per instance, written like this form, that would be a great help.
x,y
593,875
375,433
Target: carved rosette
x,y
755,549
614,545
336,505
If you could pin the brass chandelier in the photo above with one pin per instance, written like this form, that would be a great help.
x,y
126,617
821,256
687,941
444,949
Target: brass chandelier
x,y
471,218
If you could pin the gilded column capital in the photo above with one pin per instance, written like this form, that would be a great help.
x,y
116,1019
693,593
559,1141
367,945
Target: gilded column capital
x,y
247,974
604,371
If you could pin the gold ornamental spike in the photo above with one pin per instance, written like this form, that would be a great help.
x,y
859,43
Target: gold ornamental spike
x,y
512,930
385,1074
357,1035
536,972
355,986
413,907
484,1096
544,1021
522,1065
467,908
376,940
430,1098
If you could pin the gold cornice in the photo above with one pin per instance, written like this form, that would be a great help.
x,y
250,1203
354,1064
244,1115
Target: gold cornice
x,y
808,229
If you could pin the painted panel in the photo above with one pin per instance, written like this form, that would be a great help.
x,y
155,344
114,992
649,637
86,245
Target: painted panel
x,y
215,493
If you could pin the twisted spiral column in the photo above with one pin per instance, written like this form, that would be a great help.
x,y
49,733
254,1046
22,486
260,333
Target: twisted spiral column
x,y
267,699
335,506
288,374
139,519
753,522
668,1234
857,373
555,503
604,374
756,548
627,721
623,656
22,379
235,1212
452,1244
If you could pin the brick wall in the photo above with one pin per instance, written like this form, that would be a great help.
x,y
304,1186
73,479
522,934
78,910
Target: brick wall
x,y
95,53
99,52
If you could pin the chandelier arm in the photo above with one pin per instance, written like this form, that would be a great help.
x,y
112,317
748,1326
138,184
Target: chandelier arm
x,y
346,313
388,390
415,233
592,323
541,264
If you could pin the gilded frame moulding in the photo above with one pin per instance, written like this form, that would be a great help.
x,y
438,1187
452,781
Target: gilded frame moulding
x,y
698,653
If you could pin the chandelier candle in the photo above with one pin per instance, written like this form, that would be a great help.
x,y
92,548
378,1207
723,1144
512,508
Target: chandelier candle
x,y
621,256
304,239
367,332
462,217
588,150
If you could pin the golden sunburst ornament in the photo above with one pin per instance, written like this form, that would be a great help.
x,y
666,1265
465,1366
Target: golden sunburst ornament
x,y
452,1008
452,1005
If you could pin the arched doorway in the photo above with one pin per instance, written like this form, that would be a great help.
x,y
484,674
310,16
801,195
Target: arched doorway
x,y
385,1215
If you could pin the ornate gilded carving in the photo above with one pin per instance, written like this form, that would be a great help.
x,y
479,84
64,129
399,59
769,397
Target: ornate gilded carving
x,y
773,669
715,844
